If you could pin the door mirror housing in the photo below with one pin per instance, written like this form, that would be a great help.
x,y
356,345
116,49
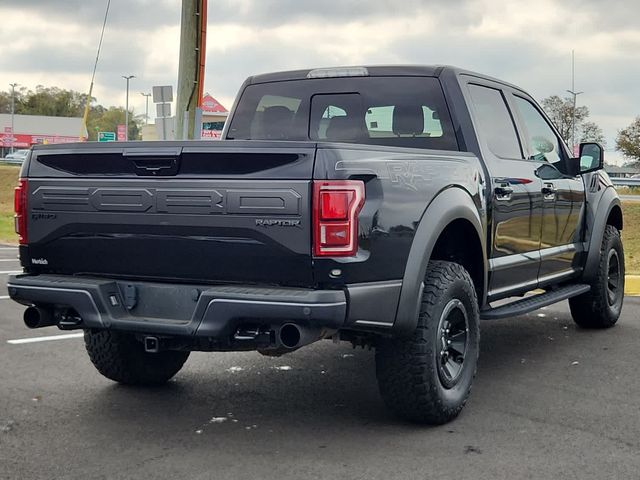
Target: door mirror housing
x,y
591,157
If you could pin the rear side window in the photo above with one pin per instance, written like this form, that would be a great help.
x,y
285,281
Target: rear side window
x,y
494,122
395,111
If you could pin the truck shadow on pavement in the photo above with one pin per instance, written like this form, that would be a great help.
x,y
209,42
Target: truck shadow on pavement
x,y
327,386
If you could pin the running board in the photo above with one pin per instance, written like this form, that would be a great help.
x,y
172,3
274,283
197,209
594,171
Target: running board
x,y
529,304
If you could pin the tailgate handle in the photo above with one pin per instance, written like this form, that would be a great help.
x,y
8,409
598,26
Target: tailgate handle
x,y
155,166
154,161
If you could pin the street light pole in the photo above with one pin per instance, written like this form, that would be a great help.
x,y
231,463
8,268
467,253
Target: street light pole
x,y
574,94
573,121
146,110
126,111
13,111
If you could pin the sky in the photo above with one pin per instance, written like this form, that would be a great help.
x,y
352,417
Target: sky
x,y
53,43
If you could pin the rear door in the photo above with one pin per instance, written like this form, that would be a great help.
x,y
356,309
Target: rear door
x,y
514,194
193,212
562,195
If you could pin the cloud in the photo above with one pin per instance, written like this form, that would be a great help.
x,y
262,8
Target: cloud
x,y
529,44
130,14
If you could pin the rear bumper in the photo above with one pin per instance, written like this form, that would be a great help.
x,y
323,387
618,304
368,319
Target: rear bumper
x,y
179,310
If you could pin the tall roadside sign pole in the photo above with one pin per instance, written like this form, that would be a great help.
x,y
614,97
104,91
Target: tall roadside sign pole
x,y
13,112
191,67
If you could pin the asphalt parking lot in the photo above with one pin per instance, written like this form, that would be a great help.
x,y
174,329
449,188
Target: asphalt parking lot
x,y
550,401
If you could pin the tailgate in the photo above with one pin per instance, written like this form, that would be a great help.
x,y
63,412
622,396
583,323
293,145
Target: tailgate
x,y
175,211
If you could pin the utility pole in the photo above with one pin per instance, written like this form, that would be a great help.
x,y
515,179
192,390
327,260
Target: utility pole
x,y
191,67
574,94
146,109
126,108
13,112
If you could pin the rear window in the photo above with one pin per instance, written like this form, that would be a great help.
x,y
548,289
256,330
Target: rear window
x,y
394,111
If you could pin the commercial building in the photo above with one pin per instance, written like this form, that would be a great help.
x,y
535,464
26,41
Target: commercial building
x,y
213,117
31,130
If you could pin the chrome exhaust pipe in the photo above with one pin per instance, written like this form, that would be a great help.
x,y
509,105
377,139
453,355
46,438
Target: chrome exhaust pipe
x,y
292,336
38,317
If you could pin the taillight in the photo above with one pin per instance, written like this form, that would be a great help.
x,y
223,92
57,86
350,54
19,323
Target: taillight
x,y
20,207
336,204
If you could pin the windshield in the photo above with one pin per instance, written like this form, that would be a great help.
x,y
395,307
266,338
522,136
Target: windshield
x,y
394,111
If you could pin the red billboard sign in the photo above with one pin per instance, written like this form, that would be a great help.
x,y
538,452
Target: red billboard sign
x,y
121,133
21,140
212,134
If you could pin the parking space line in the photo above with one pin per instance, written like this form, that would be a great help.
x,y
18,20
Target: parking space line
x,y
8,248
9,259
9,272
66,336
4,297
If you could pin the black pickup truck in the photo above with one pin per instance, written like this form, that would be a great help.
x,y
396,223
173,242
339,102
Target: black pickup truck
x,y
392,207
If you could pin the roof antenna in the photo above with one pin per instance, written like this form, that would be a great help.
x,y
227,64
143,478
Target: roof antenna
x,y
83,127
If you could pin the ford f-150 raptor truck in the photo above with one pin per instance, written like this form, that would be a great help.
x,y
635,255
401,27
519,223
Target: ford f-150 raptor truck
x,y
390,206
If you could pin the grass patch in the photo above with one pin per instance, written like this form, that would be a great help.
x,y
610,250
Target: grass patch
x,y
631,236
628,190
8,181
7,232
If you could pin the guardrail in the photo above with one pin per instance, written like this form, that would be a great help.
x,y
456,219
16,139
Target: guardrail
x,y
11,161
626,182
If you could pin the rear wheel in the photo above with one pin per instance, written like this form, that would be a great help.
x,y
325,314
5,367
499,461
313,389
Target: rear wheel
x,y
601,306
427,377
121,358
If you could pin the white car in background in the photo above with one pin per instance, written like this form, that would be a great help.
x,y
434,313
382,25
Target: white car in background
x,y
17,157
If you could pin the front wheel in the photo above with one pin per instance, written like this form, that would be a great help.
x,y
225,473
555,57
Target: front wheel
x,y
427,377
601,306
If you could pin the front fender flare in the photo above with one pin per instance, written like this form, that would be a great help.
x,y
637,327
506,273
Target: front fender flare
x,y
451,204
606,203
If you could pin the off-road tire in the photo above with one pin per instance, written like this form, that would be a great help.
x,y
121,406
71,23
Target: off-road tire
x,y
408,369
596,308
121,358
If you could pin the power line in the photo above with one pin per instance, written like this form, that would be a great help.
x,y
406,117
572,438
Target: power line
x,y
95,66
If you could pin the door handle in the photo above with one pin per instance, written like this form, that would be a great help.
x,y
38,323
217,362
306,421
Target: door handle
x,y
503,192
548,191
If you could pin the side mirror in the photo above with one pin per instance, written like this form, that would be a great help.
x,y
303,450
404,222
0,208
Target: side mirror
x,y
591,157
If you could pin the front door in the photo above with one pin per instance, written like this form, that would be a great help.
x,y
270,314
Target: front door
x,y
514,197
562,195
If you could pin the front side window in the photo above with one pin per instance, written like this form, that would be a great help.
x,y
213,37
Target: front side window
x,y
544,144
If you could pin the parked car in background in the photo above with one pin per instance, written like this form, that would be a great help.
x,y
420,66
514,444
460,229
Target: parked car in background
x,y
17,157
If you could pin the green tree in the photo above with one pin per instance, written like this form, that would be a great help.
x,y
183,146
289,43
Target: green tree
x,y
590,132
107,120
561,113
628,142
51,101
58,102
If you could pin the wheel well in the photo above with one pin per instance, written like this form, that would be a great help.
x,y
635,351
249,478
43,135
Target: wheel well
x,y
615,217
459,243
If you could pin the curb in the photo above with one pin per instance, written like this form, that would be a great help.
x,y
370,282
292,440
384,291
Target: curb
x,y
632,285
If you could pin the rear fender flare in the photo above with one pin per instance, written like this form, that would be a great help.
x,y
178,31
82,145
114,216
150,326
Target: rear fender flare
x,y
451,204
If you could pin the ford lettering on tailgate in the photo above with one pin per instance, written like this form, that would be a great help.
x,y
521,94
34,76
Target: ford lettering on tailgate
x,y
167,200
